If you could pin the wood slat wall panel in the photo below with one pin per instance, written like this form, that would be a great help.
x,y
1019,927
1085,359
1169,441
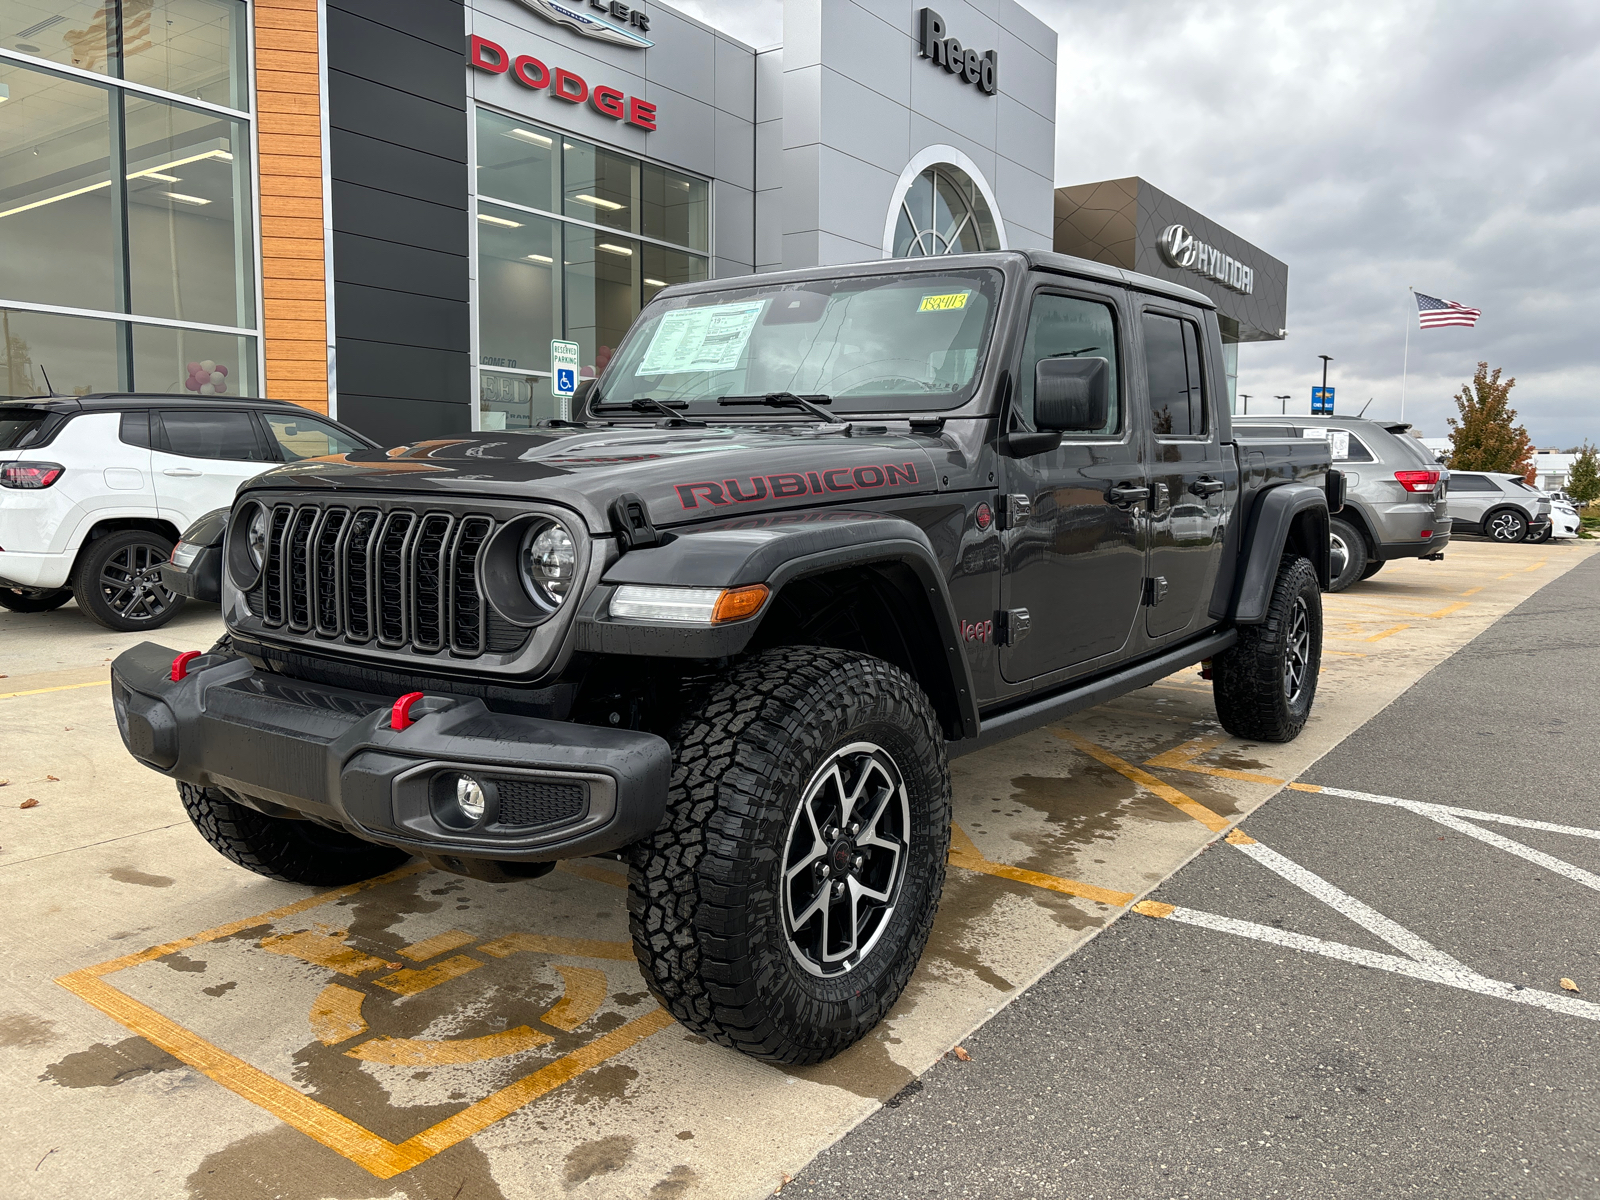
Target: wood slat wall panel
x,y
294,318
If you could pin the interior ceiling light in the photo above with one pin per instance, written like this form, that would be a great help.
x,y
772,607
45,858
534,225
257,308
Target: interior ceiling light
x,y
155,172
544,258
598,202
528,135
183,199
5,92
158,177
611,249
655,283
501,221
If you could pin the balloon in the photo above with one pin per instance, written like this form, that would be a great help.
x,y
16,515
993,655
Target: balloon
x,y
219,388
222,368
215,379
207,390
193,368
207,365
192,384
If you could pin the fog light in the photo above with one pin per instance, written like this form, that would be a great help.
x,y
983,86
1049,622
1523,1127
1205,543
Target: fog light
x,y
469,797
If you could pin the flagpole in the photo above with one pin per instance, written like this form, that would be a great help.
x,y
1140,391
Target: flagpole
x,y
1405,362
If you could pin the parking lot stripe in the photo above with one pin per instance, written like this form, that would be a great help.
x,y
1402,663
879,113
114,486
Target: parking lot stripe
x,y
1180,756
964,854
321,950
1470,813
1448,609
1378,637
439,943
65,687
410,982
418,1052
584,993
1193,808
336,1014
540,943
1472,591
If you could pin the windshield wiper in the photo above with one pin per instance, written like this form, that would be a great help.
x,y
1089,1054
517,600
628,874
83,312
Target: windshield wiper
x,y
647,404
804,404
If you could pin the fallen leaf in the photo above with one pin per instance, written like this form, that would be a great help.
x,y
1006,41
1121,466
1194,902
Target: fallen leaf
x,y
30,802
3,782
1569,985
53,778
781,1186
961,1053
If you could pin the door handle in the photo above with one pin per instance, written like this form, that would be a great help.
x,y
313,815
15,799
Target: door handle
x,y
1206,487
183,472
1125,496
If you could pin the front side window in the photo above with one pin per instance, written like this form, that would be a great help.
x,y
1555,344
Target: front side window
x,y
879,343
204,434
305,437
1173,376
1067,327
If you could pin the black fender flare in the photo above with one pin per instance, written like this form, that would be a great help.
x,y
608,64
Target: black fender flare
x,y
773,550
1297,511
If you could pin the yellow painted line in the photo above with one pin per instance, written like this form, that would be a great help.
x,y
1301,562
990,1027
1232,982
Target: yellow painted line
x,y
1472,591
439,943
581,999
418,1052
1536,565
410,982
1448,609
539,943
322,951
1184,804
1305,787
1378,637
967,856
1238,837
1154,908
1344,653
1192,749
336,1014
1507,575
65,687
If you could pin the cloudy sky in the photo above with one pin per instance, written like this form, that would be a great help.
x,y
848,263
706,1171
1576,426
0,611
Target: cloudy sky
x,y
1449,147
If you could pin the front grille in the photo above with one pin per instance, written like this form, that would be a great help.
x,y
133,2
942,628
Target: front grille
x,y
527,802
395,577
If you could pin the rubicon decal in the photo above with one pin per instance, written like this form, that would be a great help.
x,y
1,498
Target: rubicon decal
x,y
562,84
795,483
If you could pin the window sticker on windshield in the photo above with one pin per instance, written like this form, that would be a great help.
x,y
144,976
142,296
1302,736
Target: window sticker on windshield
x,y
701,339
1338,440
944,303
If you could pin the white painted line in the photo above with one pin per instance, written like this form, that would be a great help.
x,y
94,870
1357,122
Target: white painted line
x,y
1549,862
1370,919
1460,977
1471,814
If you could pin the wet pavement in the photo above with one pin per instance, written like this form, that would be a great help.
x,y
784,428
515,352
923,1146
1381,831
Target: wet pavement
x,y
184,1028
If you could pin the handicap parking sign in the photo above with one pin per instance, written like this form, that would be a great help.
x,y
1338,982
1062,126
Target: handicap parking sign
x,y
563,367
566,381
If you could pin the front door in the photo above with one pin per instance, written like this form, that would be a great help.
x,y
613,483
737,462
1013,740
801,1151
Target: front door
x,y
1192,485
200,456
1074,541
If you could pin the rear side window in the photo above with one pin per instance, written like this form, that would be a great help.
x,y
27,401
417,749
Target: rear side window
x,y
135,429
1471,483
16,424
1172,371
197,433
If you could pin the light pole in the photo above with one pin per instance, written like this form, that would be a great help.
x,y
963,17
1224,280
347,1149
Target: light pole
x,y
1245,396
1326,359
1283,409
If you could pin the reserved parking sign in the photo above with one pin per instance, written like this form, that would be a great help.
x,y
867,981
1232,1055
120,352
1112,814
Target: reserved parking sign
x,y
564,374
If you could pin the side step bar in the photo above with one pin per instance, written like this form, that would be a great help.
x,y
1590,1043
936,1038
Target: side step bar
x,y
998,727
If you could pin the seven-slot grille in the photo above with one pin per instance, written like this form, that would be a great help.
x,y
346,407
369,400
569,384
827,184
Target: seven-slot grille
x,y
396,577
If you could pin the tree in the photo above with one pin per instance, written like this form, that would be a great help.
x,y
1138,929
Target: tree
x,y
1486,437
1583,481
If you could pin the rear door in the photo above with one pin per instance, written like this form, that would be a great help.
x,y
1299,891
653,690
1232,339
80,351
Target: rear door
x,y
200,456
1471,496
1074,536
1192,485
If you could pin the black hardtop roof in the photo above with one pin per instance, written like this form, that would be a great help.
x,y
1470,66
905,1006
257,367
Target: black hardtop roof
x,y
1005,260
102,401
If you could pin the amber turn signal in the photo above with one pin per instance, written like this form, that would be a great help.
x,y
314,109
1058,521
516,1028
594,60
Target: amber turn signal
x,y
737,603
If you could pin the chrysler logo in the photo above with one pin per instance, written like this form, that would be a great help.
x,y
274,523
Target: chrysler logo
x,y
574,18
1180,248
1177,246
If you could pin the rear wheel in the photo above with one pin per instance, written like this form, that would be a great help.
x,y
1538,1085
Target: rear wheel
x,y
117,581
1266,682
31,600
1347,554
1505,525
786,898
280,848
1372,569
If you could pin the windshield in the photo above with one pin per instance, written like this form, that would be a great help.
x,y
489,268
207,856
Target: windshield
x,y
879,343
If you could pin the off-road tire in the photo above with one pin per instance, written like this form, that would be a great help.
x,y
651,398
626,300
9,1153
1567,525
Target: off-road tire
x,y
90,588
1355,554
1505,525
1372,569
34,600
1248,679
281,848
705,890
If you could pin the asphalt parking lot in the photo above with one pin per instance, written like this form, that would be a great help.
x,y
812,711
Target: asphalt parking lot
x,y
175,1027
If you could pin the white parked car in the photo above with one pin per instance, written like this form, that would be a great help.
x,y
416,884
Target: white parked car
x,y
1564,521
95,490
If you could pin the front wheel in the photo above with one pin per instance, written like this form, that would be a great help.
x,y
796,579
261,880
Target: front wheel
x,y
1544,535
117,581
787,896
1506,525
1347,554
33,600
1265,683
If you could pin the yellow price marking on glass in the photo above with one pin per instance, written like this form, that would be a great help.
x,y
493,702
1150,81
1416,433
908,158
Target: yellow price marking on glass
x,y
943,303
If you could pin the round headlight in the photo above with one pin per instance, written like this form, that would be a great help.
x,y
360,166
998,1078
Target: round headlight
x,y
549,563
256,536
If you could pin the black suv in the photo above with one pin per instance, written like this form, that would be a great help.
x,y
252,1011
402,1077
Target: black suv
x,y
816,533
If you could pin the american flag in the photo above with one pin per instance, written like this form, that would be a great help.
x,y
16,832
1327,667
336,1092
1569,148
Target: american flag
x,y
1433,312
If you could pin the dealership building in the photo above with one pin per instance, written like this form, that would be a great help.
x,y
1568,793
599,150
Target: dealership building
x,y
388,209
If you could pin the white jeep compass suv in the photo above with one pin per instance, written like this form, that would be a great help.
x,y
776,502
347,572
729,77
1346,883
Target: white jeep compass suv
x,y
94,490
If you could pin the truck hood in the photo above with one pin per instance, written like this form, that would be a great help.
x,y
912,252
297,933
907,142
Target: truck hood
x,y
681,474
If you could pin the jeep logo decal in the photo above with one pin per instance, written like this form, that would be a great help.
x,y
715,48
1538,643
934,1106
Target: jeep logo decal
x,y
795,483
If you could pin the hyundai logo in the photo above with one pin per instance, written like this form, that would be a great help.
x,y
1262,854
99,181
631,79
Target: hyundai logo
x,y
1181,249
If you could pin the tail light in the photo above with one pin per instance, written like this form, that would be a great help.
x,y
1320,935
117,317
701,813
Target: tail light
x,y
1418,481
30,475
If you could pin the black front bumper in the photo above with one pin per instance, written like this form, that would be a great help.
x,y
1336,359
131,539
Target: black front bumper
x,y
288,748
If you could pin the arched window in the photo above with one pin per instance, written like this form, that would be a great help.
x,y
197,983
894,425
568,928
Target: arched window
x,y
943,211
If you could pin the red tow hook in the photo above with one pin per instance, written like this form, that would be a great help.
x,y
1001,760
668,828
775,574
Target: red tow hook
x,y
180,665
400,714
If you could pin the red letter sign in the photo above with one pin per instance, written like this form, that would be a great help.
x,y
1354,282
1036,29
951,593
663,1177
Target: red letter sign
x,y
607,100
531,72
480,48
563,78
641,113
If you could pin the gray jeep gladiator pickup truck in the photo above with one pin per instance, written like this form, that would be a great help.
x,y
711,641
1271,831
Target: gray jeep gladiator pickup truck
x,y
814,534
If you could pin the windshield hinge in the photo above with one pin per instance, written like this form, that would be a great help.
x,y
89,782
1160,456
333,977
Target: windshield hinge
x,y
631,519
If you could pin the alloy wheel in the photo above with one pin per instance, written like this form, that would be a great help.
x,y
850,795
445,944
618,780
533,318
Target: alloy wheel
x,y
1338,556
1507,527
844,859
1297,651
130,583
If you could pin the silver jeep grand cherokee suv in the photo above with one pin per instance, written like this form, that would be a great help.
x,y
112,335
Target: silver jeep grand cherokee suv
x,y
1394,505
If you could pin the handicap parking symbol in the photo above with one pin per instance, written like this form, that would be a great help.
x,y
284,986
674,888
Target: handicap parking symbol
x,y
566,381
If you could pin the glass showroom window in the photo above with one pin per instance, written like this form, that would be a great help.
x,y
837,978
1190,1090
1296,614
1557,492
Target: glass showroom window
x,y
944,212
120,203
573,239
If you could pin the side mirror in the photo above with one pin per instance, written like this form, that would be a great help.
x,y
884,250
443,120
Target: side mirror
x,y
1071,395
